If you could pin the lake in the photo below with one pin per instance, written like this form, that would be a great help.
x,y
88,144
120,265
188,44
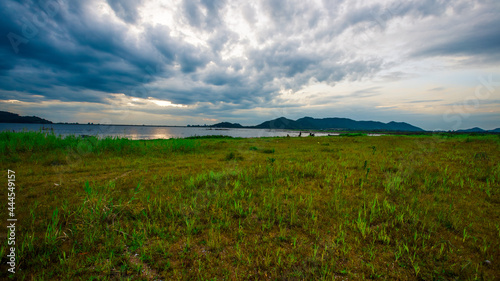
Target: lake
x,y
148,132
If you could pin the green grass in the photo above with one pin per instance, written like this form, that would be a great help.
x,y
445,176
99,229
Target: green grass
x,y
352,134
388,207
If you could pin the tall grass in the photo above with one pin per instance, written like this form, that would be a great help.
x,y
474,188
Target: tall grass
x,y
14,144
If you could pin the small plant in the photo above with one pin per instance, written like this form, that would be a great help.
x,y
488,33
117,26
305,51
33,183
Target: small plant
x,y
137,240
268,151
481,156
53,229
190,228
362,225
213,238
233,156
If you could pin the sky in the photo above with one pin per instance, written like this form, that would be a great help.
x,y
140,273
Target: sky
x,y
432,63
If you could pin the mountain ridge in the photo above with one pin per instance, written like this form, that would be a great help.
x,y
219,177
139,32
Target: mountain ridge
x,y
304,123
8,117
335,123
478,130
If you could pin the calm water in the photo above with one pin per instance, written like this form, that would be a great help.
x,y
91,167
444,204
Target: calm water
x,y
147,132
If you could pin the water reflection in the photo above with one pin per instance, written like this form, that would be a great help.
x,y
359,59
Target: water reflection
x,y
161,133
154,132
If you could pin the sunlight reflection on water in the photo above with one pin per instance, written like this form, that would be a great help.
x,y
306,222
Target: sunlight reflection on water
x,y
152,132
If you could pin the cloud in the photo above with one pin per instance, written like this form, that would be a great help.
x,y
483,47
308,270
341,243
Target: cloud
x,y
73,49
425,101
226,56
372,91
203,14
437,89
127,10
472,32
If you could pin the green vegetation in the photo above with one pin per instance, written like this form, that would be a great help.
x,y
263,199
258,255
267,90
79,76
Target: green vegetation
x,y
352,134
388,207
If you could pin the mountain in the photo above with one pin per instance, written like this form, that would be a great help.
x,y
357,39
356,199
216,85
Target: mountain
x,y
227,125
279,123
309,123
7,117
472,130
478,130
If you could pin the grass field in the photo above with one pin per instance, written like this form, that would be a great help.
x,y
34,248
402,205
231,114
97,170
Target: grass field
x,y
343,207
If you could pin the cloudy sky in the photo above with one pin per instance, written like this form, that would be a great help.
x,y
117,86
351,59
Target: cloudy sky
x,y
432,63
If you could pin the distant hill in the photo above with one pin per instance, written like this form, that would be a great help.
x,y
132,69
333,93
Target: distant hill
x,y
7,117
479,130
472,130
227,125
309,123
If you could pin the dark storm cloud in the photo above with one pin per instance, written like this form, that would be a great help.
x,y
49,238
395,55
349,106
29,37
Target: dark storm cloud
x,y
66,51
190,59
73,48
70,48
